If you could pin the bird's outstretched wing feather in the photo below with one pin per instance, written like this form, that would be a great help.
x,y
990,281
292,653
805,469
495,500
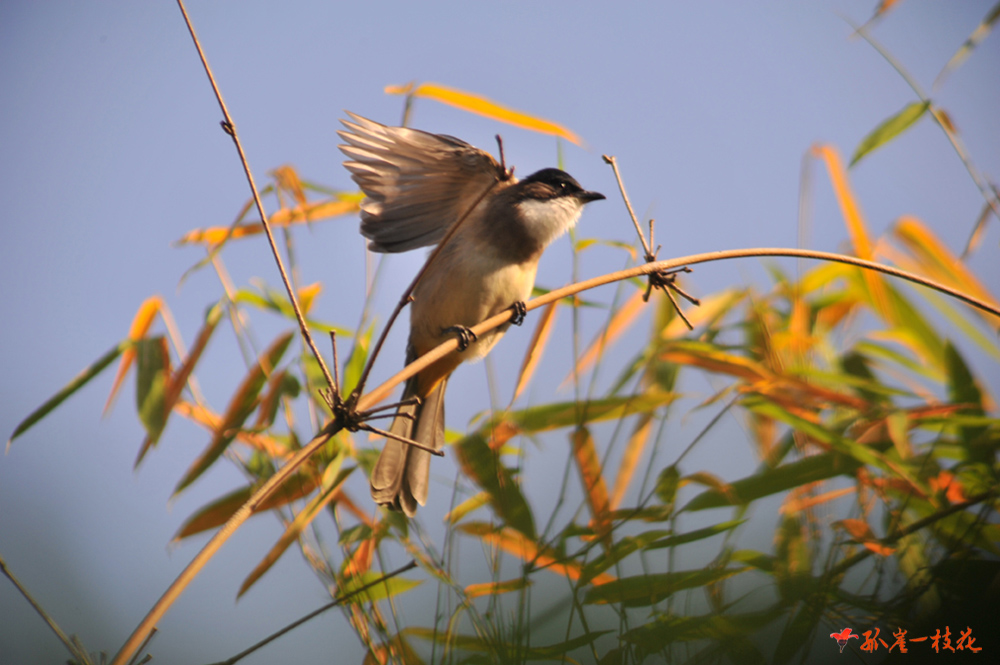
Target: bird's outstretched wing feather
x,y
416,184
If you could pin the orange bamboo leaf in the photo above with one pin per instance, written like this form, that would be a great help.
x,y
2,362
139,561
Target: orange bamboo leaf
x,y
141,323
361,560
618,324
516,543
933,259
480,105
714,360
630,459
311,212
595,489
212,421
535,349
495,588
857,229
332,479
947,482
795,505
183,373
287,179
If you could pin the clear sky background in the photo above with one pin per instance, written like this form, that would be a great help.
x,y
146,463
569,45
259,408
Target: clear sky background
x,y
110,150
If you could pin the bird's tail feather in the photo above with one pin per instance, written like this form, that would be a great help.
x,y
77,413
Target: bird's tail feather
x,y
400,477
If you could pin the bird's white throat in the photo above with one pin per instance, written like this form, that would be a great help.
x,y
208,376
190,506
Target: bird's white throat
x,y
549,219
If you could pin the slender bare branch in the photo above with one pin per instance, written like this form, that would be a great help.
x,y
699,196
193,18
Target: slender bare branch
x,y
230,128
628,204
315,613
77,653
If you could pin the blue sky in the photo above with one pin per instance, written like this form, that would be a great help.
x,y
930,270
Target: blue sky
x,y
110,150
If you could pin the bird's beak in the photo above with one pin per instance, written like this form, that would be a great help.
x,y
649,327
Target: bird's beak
x,y
587,197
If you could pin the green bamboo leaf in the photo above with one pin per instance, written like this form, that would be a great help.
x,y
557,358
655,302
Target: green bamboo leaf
x,y
667,484
482,465
242,404
623,547
645,590
152,378
277,302
387,589
890,129
963,389
79,381
779,479
667,628
356,363
977,36
218,512
692,536
566,414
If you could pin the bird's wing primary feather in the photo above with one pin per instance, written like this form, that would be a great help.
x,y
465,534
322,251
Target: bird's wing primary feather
x,y
416,184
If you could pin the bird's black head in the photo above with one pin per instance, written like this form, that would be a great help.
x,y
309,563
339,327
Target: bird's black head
x,y
554,183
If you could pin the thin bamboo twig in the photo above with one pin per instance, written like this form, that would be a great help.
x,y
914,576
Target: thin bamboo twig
x,y
956,143
377,395
79,654
613,161
230,128
315,613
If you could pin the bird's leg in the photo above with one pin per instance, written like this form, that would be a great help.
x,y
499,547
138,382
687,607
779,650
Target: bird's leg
x,y
464,334
518,312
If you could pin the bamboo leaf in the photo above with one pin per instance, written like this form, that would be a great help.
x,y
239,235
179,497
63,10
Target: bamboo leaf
x,y
141,323
619,323
152,377
333,477
536,347
595,490
692,536
310,212
78,382
180,378
218,512
242,404
977,36
480,105
645,590
389,588
634,449
481,464
889,129
528,550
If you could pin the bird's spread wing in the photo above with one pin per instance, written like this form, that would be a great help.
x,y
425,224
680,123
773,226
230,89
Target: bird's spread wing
x,y
417,184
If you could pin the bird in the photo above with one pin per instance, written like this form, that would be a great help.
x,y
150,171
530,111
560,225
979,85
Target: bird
x,y
417,185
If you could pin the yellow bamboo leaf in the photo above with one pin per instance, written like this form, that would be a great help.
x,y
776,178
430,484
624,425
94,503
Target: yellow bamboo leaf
x,y
516,543
618,324
495,588
483,106
288,180
595,489
799,504
310,212
935,260
141,323
535,349
716,361
857,229
630,459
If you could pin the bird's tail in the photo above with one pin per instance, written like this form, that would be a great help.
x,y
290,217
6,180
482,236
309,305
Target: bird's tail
x,y
400,477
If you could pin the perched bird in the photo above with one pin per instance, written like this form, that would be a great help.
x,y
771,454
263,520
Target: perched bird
x,y
417,185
